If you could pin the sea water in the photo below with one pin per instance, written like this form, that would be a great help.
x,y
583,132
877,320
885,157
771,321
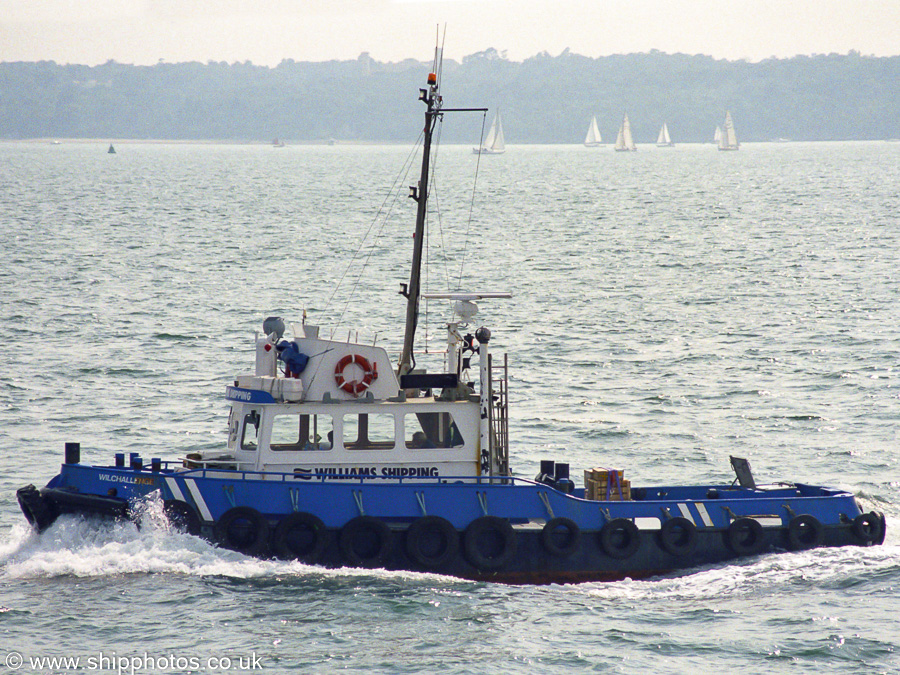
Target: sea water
x,y
671,307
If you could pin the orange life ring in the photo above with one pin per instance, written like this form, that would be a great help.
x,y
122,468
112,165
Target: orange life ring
x,y
355,387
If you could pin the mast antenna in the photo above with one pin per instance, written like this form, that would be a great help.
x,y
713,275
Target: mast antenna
x,y
431,97
439,53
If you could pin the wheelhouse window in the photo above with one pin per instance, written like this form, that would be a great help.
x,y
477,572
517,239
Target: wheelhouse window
x,y
369,431
293,432
250,435
431,430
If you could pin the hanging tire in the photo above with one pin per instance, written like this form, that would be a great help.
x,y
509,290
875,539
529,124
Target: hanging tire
x,y
182,516
489,543
745,537
300,536
620,538
678,536
561,537
243,529
805,532
432,541
365,542
869,528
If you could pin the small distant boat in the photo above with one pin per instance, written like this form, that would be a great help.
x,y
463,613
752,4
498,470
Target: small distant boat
x,y
277,143
624,141
663,140
111,150
593,139
494,143
728,139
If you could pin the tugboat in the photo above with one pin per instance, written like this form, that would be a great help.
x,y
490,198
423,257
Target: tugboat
x,y
336,457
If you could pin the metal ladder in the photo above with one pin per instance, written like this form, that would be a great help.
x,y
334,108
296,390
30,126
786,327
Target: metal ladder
x,y
499,416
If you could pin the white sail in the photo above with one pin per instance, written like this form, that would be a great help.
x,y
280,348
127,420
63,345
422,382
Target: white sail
x,y
494,143
728,140
718,135
624,141
663,140
593,139
498,144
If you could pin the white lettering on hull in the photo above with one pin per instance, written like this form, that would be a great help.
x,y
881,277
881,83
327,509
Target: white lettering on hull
x,y
341,472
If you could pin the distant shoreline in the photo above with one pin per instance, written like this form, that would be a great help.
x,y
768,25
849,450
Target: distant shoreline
x,y
166,141
546,100
356,143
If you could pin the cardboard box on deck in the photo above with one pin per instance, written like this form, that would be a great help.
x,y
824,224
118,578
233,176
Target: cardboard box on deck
x,y
606,484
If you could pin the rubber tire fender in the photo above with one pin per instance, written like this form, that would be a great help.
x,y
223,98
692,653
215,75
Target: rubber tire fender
x,y
39,512
255,539
489,543
868,528
182,516
745,537
356,541
678,536
620,538
427,530
805,532
571,539
67,500
300,536
880,516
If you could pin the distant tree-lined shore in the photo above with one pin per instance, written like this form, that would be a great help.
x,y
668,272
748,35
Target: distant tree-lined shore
x,y
544,99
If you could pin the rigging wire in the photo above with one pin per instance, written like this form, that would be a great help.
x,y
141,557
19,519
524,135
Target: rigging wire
x,y
388,204
392,197
433,194
433,181
432,172
440,223
462,262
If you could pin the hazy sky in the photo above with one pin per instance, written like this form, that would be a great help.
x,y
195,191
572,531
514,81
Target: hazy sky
x,y
267,31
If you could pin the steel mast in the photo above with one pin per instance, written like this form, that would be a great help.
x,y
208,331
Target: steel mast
x,y
432,99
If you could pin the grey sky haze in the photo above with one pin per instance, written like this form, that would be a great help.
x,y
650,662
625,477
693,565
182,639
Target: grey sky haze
x,y
268,31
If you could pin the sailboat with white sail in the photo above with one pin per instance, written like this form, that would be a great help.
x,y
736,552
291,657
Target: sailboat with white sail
x,y
624,141
494,143
663,140
593,139
728,139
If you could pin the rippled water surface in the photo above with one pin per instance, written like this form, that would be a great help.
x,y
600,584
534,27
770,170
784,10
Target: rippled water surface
x,y
671,307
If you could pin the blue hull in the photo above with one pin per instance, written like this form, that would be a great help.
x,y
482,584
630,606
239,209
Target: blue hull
x,y
506,530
